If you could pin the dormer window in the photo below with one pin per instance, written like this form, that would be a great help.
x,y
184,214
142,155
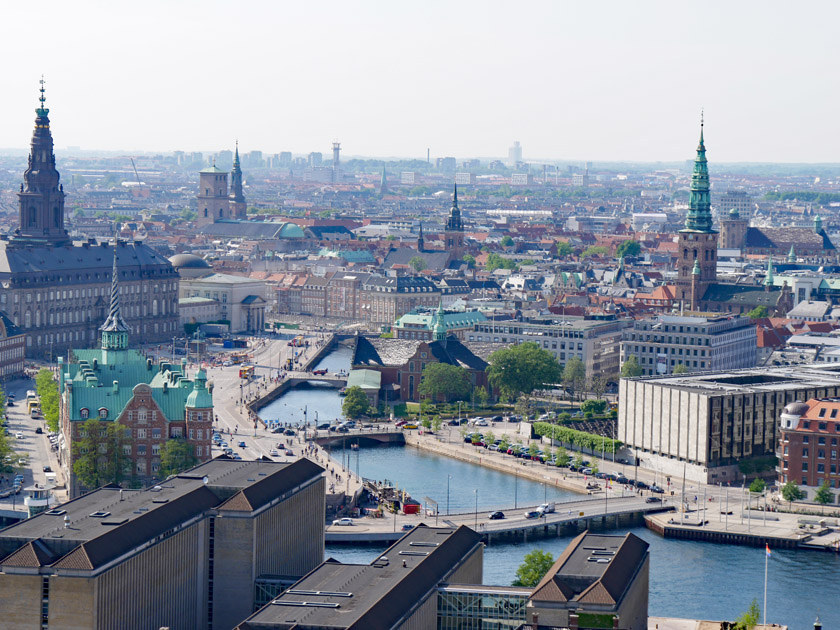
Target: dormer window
x,y
103,413
84,413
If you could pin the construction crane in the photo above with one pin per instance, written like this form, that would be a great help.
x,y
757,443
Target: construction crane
x,y
135,171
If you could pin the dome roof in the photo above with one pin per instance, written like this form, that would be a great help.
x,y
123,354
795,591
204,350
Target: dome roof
x,y
188,261
795,408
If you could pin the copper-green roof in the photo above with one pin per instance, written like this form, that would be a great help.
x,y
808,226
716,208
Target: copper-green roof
x,y
212,169
92,380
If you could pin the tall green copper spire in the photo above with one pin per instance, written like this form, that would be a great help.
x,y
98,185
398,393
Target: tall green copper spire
x,y
699,218
114,330
768,279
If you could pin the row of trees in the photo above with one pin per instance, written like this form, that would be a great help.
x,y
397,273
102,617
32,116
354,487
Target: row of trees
x,y
8,455
48,393
579,439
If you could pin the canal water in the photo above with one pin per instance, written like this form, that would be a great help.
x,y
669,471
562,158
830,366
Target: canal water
x,y
687,579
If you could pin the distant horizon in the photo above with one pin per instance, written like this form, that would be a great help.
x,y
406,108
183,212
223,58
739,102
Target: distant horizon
x,y
603,82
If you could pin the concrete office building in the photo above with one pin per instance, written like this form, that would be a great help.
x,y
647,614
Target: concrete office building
x,y
595,342
722,342
704,424
398,590
201,550
597,582
431,578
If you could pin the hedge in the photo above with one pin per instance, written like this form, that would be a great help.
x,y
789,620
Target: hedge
x,y
580,439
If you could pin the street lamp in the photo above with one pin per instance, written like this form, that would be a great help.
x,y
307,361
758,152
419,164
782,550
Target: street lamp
x,y
476,508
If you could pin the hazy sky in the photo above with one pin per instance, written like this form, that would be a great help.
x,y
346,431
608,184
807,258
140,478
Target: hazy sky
x,y
583,80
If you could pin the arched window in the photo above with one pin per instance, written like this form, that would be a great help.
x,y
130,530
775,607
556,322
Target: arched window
x,y
154,308
27,319
84,413
37,319
103,412
205,212
221,212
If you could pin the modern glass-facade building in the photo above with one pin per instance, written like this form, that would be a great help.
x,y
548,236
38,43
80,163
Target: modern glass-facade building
x,y
481,607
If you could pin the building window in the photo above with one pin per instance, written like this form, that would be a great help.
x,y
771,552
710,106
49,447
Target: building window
x,y
156,433
103,412
84,413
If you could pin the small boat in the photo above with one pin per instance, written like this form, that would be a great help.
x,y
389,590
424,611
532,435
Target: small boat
x,y
342,391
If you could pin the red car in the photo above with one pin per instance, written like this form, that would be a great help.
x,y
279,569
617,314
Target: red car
x,y
400,423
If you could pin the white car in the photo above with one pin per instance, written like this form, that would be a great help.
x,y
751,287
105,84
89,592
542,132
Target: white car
x,y
19,435
273,452
343,521
481,422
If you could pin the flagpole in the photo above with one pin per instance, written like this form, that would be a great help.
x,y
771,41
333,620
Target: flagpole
x,y
766,559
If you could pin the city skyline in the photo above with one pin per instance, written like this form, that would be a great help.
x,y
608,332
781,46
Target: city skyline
x,y
578,83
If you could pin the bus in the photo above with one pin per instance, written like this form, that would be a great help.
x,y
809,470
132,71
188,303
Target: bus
x,y
31,405
238,357
246,371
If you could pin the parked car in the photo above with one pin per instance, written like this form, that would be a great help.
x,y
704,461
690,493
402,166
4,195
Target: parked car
x,y
273,452
290,452
497,419
39,430
343,521
641,484
47,469
481,422
288,432
407,527
19,435
495,516
586,471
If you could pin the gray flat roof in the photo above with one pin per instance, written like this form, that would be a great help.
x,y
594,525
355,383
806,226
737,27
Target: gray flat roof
x,y
372,596
106,523
752,380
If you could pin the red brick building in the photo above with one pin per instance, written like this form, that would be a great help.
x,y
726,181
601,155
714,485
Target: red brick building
x,y
809,445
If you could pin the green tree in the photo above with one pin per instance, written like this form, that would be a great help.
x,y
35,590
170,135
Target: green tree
x,y
417,263
679,368
495,261
579,460
100,453
481,396
188,215
469,259
48,393
426,423
595,250
564,250
356,403
574,374
533,450
436,424
504,445
8,455
758,486
489,437
562,456
758,312
176,456
631,368
749,619
597,385
533,568
521,369
628,248
596,407
524,406
823,494
506,241
791,492
445,382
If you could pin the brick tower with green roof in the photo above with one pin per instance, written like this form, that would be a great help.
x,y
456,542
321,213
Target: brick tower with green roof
x,y
698,242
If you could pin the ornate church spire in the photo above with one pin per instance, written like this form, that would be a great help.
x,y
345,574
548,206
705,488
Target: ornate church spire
x,y
114,330
236,193
453,223
699,218
41,195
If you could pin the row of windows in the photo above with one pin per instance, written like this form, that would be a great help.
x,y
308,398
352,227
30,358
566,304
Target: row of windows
x,y
64,294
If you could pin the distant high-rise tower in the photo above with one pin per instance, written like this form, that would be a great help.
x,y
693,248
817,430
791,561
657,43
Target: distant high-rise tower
x,y
41,196
336,161
698,242
515,153
238,207
454,232
383,183
213,200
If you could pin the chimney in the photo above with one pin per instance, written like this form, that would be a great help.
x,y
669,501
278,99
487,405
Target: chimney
x,y
116,387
